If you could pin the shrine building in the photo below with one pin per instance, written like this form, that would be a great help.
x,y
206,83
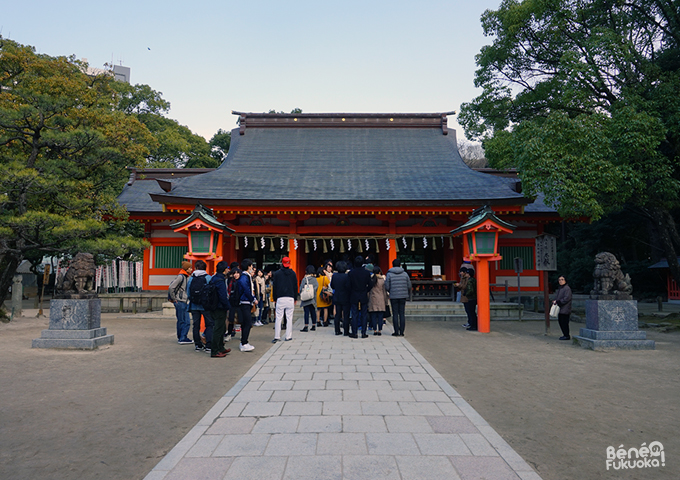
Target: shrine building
x,y
319,187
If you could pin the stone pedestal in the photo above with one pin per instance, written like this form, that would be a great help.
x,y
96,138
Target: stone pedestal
x,y
613,325
75,323
168,309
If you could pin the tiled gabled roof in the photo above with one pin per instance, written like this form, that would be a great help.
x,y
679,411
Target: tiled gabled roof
x,y
378,164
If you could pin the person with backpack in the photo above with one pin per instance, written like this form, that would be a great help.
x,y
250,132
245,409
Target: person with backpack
x,y
177,294
216,302
308,289
199,279
246,303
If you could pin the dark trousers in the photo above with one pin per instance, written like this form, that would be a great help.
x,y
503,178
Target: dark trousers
x,y
377,320
359,317
196,317
342,317
220,327
563,320
471,310
398,315
310,311
246,321
233,312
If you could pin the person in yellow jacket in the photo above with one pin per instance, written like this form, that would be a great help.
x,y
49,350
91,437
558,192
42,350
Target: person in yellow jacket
x,y
324,302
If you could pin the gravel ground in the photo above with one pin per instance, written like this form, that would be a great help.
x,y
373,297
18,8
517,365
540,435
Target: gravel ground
x,y
114,413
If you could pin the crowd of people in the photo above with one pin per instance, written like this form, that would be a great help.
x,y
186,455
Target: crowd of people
x,y
354,297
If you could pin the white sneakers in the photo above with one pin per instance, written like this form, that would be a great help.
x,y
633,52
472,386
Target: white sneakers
x,y
247,348
258,324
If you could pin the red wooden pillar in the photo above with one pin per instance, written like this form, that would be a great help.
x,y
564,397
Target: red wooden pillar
x,y
483,300
392,253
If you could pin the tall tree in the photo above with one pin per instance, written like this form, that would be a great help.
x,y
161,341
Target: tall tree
x,y
176,145
219,145
64,147
581,97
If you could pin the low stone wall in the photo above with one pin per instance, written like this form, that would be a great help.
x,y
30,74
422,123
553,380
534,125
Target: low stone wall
x,y
133,301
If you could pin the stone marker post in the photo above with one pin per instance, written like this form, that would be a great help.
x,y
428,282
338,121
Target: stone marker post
x,y
17,295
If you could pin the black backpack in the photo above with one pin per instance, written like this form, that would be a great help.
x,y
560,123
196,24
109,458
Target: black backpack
x,y
197,284
234,293
210,298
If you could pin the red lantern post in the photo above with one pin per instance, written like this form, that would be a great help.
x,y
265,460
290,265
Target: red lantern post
x,y
480,245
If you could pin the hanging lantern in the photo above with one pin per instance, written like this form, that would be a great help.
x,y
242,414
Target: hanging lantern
x,y
480,235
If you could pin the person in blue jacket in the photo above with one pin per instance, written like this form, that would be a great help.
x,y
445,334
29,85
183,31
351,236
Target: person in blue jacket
x,y
219,315
246,303
360,283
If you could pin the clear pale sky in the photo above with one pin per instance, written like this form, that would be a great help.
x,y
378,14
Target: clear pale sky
x,y
210,57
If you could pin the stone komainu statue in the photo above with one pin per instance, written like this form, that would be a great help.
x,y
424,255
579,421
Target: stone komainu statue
x,y
79,278
609,279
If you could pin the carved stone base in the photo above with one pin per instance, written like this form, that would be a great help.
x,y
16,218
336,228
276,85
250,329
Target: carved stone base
x,y
613,324
74,324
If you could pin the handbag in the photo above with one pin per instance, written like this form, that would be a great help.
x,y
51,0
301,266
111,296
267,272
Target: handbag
x,y
554,311
327,294
307,292
388,312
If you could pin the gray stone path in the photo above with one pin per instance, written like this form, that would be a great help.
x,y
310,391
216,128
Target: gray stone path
x,y
328,407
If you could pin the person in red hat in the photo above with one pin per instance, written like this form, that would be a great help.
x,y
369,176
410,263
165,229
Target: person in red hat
x,y
284,292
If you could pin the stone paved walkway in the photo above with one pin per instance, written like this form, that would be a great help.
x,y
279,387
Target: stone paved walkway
x,y
328,407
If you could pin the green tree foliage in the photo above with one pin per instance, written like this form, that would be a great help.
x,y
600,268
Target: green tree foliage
x,y
176,146
64,147
581,96
219,145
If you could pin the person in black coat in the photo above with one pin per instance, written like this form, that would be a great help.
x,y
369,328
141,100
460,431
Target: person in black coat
x,y
219,315
360,283
341,291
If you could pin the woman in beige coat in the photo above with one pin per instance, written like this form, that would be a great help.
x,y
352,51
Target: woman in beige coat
x,y
377,301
